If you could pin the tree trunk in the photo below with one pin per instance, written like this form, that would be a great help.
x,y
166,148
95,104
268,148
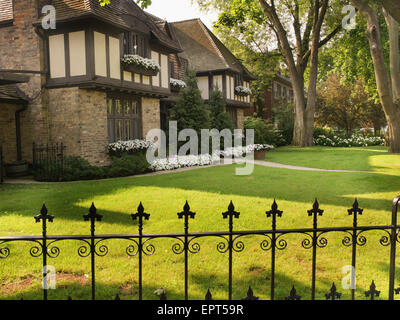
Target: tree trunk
x,y
393,8
390,108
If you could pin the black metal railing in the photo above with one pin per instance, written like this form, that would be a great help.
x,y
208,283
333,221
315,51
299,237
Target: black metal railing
x,y
48,161
228,242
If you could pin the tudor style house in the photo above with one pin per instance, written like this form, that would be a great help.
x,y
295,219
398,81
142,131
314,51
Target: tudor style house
x,y
216,67
71,84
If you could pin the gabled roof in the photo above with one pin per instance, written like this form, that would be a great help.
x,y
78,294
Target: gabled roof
x,y
6,11
205,51
125,14
168,30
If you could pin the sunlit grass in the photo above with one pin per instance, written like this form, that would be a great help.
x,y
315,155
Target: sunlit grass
x,y
209,192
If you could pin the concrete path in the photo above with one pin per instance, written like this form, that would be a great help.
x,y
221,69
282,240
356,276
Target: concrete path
x,y
286,166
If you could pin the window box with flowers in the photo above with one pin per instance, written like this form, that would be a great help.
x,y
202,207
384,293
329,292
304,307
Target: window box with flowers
x,y
242,91
117,149
137,64
177,85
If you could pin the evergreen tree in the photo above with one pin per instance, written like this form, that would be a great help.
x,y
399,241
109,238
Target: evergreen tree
x,y
219,117
190,111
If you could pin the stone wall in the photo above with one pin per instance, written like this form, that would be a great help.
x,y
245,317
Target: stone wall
x,y
150,115
7,132
78,118
20,49
240,118
93,123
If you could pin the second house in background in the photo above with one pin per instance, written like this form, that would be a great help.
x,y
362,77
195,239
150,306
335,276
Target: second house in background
x,y
214,64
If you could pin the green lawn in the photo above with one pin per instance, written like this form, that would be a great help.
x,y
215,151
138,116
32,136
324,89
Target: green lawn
x,y
365,159
209,191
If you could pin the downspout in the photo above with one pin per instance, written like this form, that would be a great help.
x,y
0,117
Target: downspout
x,y
18,130
44,64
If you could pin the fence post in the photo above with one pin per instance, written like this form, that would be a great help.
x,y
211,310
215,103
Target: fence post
x,y
44,217
186,213
314,212
231,213
140,215
393,240
274,212
93,217
355,211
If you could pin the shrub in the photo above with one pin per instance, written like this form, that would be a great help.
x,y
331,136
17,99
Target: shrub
x,y
128,165
284,117
76,168
189,110
327,132
353,141
80,169
264,132
219,117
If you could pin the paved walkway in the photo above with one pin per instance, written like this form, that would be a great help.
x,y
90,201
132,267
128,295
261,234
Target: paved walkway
x,y
257,162
286,166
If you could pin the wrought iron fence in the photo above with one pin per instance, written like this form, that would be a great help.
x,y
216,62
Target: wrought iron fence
x,y
229,242
48,161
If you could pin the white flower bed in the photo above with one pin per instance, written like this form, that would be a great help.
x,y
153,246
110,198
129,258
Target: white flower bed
x,y
179,84
353,141
183,161
177,162
242,91
136,60
131,146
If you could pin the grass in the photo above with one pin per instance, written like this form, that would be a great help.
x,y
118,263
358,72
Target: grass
x,y
374,159
209,191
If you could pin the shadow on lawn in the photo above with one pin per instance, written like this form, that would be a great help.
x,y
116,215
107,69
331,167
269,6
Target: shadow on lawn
x,y
199,282
266,183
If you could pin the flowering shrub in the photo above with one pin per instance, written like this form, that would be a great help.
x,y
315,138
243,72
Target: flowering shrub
x,y
177,84
177,162
136,60
259,147
242,91
129,147
240,151
353,141
182,162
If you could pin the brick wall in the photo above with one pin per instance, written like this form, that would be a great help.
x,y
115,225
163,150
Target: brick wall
x,y
240,118
93,121
150,115
7,132
20,49
78,118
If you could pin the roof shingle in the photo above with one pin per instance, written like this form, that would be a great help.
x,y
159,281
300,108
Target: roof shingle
x,y
123,13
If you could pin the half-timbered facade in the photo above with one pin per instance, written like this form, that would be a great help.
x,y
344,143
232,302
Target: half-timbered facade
x,y
216,67
76,87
